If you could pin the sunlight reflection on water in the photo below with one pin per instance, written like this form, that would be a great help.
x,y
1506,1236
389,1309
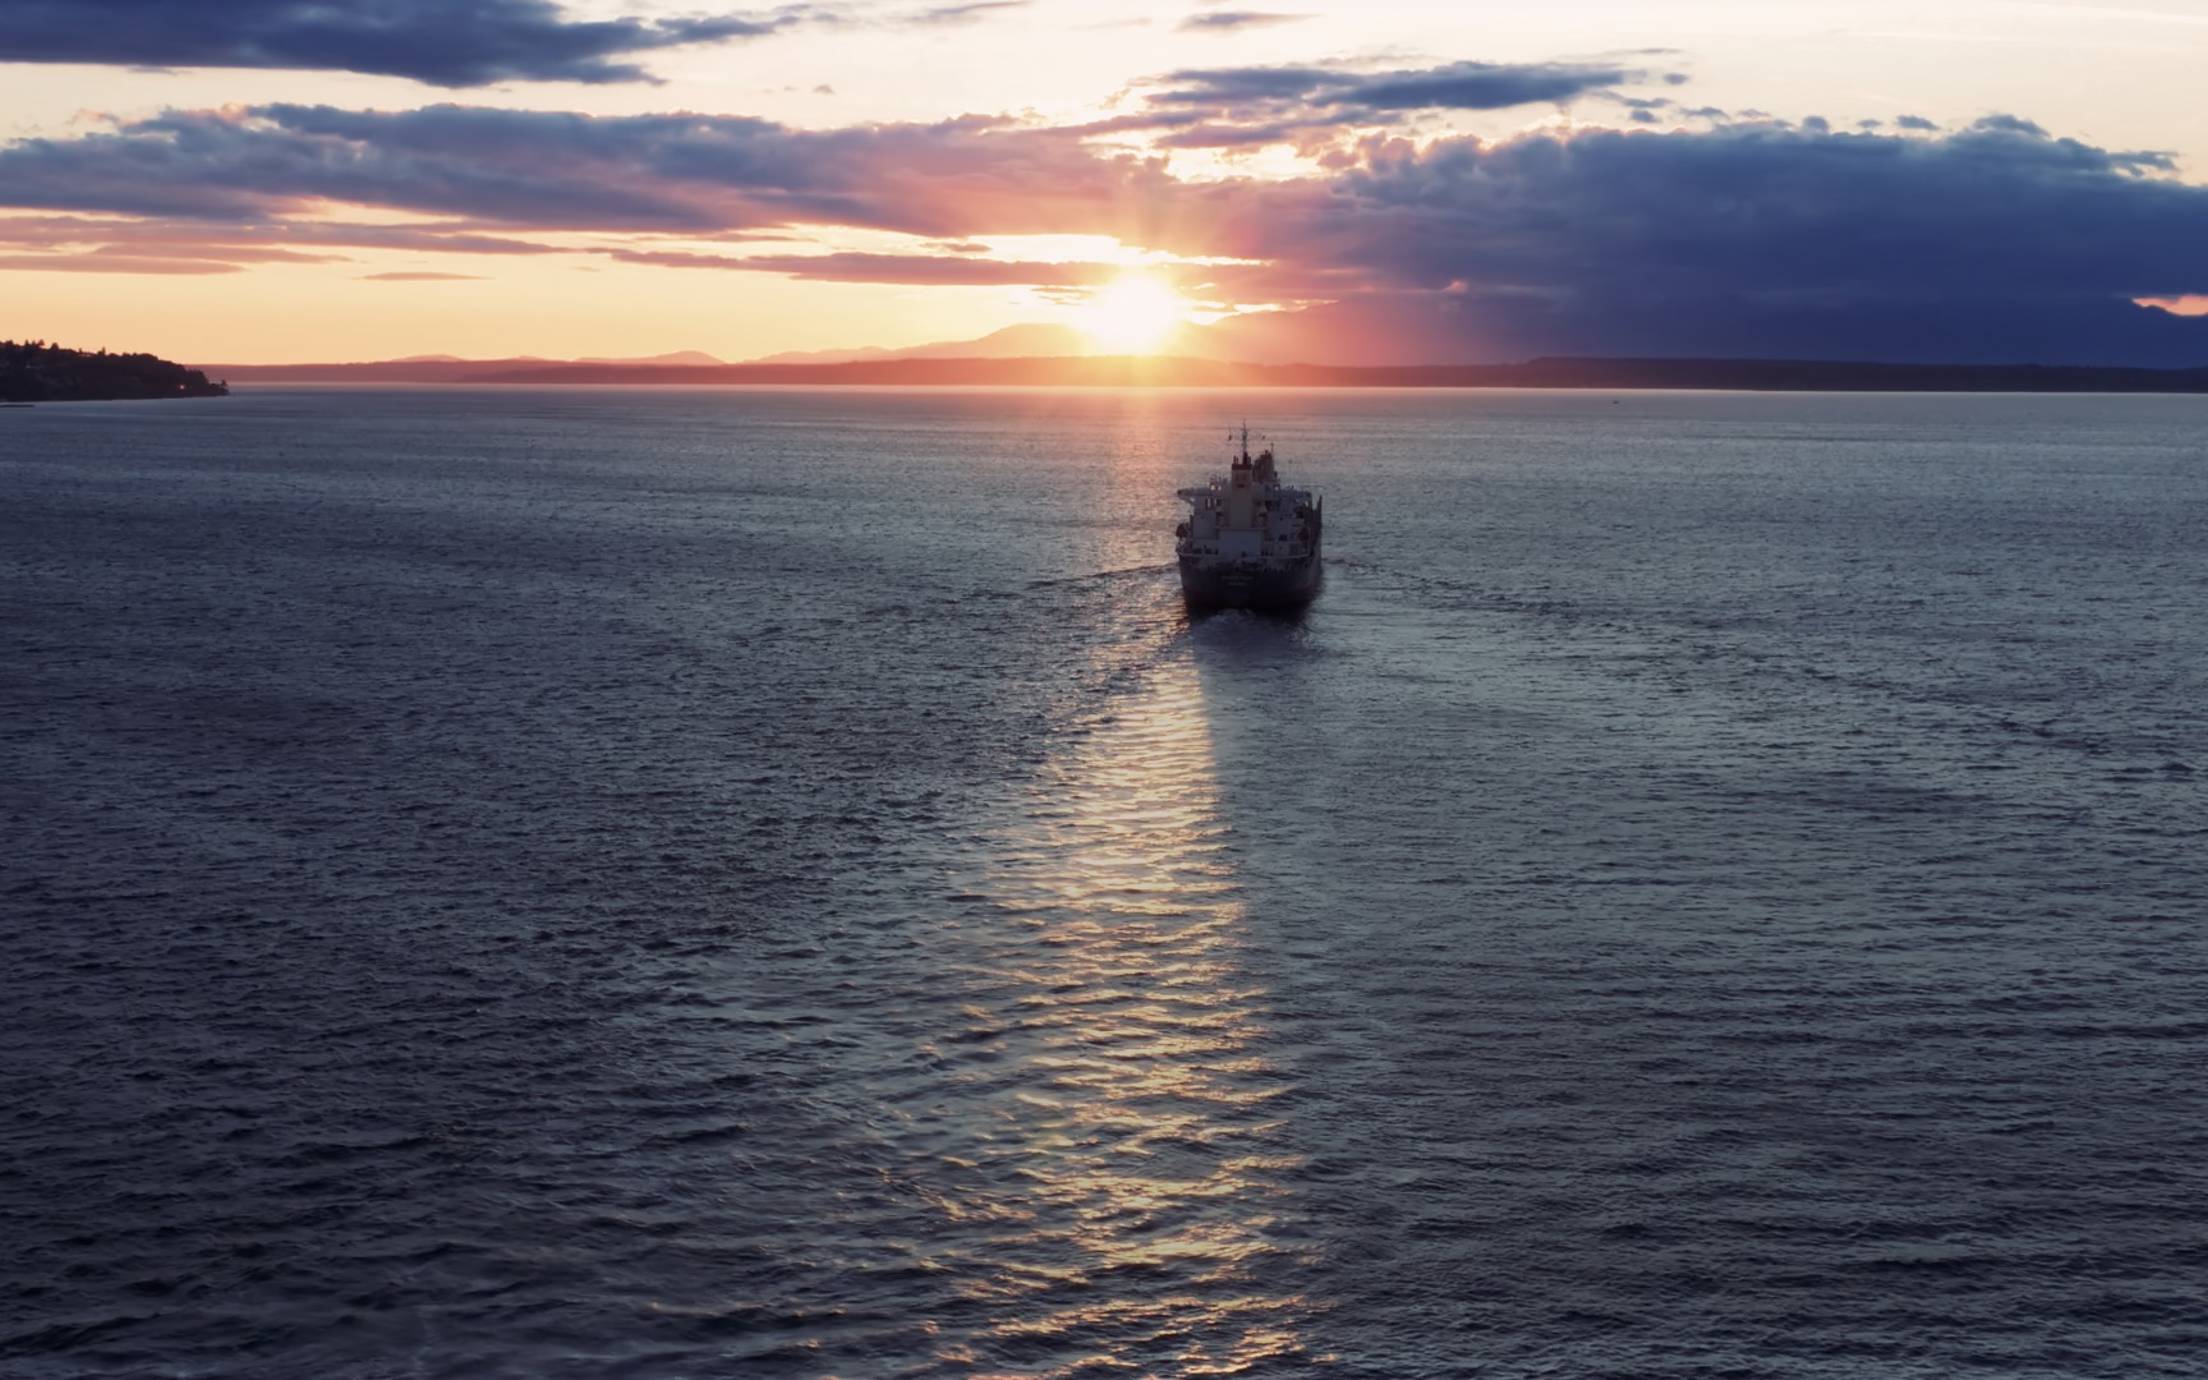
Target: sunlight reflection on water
x,y
1141,1125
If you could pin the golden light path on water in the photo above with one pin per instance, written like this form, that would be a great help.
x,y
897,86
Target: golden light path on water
x,y
1148,1217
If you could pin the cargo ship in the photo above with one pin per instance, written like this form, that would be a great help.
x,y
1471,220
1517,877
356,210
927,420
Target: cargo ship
x,y
1250,542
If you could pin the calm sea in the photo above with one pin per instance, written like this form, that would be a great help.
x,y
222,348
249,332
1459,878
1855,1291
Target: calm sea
x,y
724,883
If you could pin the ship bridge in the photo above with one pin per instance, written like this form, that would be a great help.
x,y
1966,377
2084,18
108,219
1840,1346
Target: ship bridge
x,y
1248,515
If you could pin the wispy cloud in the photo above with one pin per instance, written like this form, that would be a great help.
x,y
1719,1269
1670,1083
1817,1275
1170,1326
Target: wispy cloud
x,y
105,244
970,12
1231,21
1456,86
1233,107
110,263
911,270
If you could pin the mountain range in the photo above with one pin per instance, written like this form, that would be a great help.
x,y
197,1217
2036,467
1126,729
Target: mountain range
x,y
1030,341
1317,348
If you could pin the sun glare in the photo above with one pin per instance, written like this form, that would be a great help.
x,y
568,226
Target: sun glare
x,y
1133,316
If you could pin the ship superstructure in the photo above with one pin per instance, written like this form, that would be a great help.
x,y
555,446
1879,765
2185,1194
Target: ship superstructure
x,y
1249,541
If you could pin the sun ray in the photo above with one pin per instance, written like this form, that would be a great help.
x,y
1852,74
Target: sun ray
x,y
1134,315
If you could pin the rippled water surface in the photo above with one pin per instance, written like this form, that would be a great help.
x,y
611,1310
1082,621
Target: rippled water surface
x,y
696,884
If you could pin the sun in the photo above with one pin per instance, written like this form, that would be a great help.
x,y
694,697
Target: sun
x,y
1132,316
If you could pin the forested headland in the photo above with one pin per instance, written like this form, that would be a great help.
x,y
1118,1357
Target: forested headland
x,y
35,371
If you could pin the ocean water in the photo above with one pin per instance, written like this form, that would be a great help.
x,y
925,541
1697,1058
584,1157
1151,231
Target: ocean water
x,y
725,883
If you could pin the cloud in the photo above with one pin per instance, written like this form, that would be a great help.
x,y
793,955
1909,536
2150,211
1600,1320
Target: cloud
x,y
1997,241
1233,21
451,43
916,270
109,263
102,244
968,13
1994,243
1477,86
1336,92
543,169
2010,124
1240,107
1216,136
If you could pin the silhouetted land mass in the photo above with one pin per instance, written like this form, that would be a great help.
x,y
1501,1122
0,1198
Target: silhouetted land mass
x,y
34,371
1755,375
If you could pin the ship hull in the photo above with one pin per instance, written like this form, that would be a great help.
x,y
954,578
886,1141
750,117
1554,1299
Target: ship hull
x,y
1249,585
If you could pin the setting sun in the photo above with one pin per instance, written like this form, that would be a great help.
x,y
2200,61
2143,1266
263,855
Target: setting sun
x,y
1134,315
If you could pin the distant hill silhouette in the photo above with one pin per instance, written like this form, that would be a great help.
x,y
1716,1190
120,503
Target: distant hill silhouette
x,y
1039,340
671,357
440,368
1614,374
1171,372
34,371
1033,341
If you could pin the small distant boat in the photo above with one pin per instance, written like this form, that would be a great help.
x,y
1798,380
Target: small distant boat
x,y
1250,542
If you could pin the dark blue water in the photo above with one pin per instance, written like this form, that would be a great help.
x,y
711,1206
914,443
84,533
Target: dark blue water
x,y
736,884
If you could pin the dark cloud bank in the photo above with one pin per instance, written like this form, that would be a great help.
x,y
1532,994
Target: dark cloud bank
x,y
440,42
1994,243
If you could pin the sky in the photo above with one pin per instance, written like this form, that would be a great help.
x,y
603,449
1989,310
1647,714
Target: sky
x,y
1376,182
